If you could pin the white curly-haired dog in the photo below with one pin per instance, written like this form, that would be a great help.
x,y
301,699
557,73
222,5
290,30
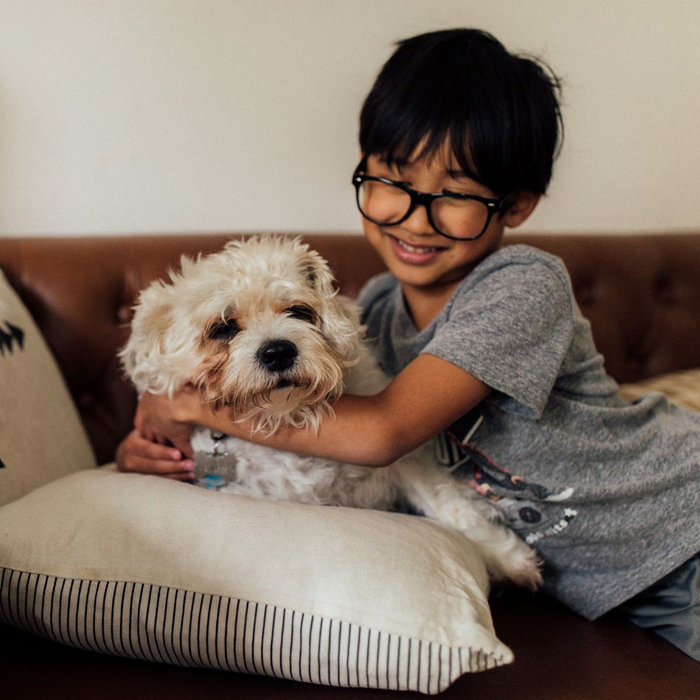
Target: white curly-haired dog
x,y
259,327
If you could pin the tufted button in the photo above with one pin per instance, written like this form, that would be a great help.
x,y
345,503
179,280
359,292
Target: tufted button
x,y
125,313
86,400
586,292
666,289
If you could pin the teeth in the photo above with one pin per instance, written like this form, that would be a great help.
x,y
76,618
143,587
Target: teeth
x,y
414,249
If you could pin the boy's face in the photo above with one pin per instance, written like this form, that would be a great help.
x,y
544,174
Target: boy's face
x,y
420,258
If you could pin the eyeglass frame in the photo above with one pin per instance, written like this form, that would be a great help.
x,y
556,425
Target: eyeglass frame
x,y
493,205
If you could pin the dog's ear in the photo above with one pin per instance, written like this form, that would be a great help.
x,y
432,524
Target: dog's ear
x,y
342,328
143,355
317,273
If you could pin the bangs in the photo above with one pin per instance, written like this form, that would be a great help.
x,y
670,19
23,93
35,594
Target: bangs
x,y
451,144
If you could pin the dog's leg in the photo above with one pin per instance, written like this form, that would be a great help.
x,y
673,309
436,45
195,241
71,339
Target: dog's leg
x,y
438,496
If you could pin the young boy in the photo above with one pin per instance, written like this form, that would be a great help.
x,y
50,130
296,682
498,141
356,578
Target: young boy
x,y
488,348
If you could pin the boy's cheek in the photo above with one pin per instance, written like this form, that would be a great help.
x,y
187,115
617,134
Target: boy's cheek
x,y
374,235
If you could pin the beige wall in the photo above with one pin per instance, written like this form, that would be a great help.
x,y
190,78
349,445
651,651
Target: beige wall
x,y
176,115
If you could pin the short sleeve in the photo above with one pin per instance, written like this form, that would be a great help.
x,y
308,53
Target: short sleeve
x,y
511,328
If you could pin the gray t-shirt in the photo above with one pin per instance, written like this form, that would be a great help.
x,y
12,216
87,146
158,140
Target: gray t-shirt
x,y
607,491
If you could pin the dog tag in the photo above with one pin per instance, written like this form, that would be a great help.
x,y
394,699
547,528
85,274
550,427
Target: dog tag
x,y
212,481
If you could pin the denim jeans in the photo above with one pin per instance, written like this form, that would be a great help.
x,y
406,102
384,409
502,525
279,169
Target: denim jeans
x,y
671,607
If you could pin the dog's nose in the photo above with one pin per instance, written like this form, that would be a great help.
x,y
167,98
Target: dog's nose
x,y
278,355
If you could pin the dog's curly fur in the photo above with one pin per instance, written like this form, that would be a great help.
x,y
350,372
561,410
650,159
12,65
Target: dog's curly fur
x,y
260,327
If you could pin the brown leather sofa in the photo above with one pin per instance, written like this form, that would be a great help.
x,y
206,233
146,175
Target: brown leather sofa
x,y
642,296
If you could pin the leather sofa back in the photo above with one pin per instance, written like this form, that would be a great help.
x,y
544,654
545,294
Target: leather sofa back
x,y
640,292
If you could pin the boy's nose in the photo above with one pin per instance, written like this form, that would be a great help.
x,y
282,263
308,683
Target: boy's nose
x,y
418,223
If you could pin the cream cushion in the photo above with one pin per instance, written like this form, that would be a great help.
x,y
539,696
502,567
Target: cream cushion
x,y
681,388
41,436
146,567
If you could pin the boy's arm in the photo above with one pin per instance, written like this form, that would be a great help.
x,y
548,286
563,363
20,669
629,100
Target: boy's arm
x,y
424,399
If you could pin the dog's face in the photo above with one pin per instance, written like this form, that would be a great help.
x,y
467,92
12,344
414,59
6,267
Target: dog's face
x,y
257,327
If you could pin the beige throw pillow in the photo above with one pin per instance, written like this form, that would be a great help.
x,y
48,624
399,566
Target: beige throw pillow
x,y
41,436
145,567
681,388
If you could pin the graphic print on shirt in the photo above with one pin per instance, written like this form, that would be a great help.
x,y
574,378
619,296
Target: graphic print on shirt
x,y
528,508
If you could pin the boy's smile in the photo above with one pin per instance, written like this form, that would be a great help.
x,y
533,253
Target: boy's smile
x,y
414,254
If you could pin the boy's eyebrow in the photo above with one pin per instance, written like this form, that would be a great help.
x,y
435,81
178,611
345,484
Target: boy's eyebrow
x,y
460,173
395,162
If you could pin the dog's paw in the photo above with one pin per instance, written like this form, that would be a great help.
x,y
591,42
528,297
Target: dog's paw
x,y
519,565
525,570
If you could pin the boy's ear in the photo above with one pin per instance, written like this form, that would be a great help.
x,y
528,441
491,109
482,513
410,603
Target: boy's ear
x,y
520,210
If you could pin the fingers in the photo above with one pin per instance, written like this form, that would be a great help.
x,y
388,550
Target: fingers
x,y
184,446
178,477
139,422
165,430
137,454
180,443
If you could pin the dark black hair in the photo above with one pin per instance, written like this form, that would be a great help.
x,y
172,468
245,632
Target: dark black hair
x,y
499,112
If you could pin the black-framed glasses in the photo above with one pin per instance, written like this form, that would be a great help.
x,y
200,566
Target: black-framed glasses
x,y
462,217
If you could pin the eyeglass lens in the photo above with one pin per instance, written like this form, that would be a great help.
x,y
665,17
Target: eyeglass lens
x,y
388,204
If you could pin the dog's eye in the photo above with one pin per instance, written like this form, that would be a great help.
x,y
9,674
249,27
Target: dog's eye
x,y
302,313
225,330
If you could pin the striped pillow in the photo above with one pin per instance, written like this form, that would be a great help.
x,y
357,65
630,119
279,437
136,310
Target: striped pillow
x,y
143,567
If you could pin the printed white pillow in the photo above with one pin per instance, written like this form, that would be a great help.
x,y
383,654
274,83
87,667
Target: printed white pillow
x,y
145,567
41,436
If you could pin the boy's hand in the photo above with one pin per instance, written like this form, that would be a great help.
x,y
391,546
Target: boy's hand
x,y
160,419
137,454
160,443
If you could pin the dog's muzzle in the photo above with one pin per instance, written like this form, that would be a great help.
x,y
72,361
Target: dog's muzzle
x,y
277,355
